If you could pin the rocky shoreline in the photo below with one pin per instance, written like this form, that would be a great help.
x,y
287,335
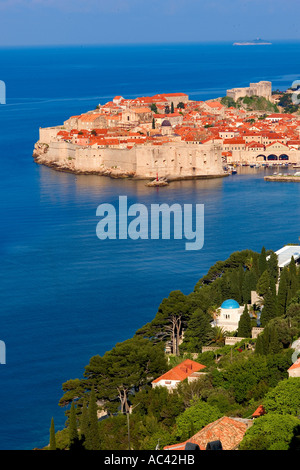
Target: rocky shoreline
x,y
40,152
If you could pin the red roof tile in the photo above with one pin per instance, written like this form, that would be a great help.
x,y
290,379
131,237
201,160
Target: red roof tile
x,y
182,371
230,431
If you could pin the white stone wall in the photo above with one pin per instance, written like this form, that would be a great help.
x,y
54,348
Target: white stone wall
x,y
176,160
169,384
229,318
294,372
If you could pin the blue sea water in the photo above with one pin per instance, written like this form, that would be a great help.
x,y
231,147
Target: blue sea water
x,y
64,294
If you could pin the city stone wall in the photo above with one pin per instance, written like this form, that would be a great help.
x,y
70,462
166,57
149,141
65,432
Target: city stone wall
x,y
144,161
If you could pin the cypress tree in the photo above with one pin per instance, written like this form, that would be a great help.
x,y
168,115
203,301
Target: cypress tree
x,y
259,347
153,123
84,424
263,284
234,285
273,267
275,344
293,280
269,310
298,278
262,261
199,331
255,266
244,328
266,341
93,438
282,292
249,284
241,276
52,436
172,107
73,432
225,287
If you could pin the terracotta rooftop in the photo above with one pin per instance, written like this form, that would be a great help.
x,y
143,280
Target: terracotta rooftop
x,y
181,372
260,411
89,117
230,431
296,365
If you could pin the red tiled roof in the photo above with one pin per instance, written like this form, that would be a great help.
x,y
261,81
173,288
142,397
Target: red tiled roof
x,y
215,104
181,372
89,117
296,365
255,144
230,431
259,412
234,141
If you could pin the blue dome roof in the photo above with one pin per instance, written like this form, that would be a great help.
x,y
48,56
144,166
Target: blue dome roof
x,y
230,303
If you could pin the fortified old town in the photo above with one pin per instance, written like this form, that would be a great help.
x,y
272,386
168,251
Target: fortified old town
x,y
170,136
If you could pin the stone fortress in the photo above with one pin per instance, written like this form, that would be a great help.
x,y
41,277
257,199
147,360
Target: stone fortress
x,y
262,88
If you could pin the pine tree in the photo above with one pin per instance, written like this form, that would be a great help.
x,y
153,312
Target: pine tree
x,y
52,436
244,328
73,431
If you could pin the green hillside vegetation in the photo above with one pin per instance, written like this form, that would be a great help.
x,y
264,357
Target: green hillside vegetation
x,y
251,103
287,104
238,378
259,103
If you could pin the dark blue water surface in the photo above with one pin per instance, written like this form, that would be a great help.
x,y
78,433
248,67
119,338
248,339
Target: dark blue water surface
x,y
65,295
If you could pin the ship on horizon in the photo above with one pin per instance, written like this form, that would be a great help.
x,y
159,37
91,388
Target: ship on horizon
x,y
255,42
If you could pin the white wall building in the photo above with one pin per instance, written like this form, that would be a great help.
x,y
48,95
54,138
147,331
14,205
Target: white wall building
x,y
285,255
230,314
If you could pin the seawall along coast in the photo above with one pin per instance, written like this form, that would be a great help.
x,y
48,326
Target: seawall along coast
x,y
173,161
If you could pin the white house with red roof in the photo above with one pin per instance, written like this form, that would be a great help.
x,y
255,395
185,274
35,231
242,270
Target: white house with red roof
x,y
182,371
294,370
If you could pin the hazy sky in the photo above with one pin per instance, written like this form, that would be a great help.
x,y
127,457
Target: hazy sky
x,y
26,22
